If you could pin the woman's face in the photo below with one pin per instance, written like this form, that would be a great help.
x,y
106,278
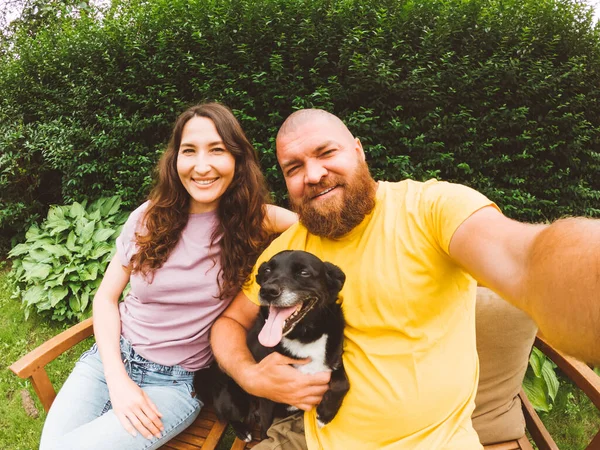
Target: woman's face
x,y
204,165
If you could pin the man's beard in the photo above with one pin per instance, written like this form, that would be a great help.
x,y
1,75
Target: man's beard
x,y
335,218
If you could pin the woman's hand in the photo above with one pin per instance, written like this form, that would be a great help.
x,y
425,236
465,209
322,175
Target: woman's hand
x,y
134,409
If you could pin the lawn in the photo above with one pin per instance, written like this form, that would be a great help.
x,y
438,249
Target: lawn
x,y
572,422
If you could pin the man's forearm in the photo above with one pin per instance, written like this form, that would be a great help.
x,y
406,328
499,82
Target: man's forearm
x,y
562,286
228,341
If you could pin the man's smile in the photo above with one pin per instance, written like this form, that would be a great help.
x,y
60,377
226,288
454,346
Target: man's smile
x,y
324,192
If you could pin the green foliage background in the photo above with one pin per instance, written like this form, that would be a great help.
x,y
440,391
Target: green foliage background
x,y
500,95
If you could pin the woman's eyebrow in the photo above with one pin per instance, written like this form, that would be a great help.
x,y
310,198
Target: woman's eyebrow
x,y
210,144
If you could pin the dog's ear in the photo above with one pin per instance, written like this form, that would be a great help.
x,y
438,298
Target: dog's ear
x,y
335,278
260,275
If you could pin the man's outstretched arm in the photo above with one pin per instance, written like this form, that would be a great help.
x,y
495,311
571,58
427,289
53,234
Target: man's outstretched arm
x,y
552,272
274,377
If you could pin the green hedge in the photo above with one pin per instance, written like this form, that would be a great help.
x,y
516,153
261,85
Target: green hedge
x,y
500,95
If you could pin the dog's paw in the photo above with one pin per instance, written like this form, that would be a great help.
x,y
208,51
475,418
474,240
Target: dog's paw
x,y
320,424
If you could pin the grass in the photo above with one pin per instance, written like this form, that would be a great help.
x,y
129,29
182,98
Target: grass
x,y
17,337
572,422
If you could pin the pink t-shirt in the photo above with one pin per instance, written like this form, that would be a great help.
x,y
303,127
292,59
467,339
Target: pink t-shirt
x,y
167,318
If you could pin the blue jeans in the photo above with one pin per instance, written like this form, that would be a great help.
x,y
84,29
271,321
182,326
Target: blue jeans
x,y
81,416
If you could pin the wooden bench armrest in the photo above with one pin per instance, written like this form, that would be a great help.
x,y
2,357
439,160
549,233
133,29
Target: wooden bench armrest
x,y
52,348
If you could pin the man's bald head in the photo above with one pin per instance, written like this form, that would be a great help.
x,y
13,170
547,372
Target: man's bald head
x,y
303,117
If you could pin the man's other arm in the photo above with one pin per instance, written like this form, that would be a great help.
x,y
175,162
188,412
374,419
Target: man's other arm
x,y
551,272
274,377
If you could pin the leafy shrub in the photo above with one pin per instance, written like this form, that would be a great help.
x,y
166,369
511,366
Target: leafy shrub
x,y
540,383
502,96
59,267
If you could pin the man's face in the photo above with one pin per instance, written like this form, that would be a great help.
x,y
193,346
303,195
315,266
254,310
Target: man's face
x,y
326,176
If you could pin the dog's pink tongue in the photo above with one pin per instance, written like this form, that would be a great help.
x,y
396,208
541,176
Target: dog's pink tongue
x,y
272,331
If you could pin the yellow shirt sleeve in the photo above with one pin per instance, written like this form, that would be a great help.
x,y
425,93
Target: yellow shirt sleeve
x,y
448,205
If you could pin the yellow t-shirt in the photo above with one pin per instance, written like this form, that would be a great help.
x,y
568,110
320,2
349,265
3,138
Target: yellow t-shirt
x,y
409,348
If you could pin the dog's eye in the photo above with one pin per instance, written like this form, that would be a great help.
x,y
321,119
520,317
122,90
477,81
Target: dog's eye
x,y
267,271
304,273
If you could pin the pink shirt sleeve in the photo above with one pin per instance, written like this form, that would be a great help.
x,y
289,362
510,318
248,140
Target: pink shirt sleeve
x,y
126,241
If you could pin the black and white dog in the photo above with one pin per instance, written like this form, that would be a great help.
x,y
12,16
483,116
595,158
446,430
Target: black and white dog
x,y
299,317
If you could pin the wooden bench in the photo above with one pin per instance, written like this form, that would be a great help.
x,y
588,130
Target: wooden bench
x,y
207,431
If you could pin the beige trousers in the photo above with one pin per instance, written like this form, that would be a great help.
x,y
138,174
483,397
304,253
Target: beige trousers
x,y
285,434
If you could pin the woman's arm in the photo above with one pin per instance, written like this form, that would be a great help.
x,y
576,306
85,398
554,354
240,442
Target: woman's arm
x,y
132,406
279,219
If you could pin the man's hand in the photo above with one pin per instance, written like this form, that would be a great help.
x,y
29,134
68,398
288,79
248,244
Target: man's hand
x,y
276,379
134,409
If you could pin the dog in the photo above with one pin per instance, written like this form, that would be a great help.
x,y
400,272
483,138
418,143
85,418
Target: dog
x,y
299,317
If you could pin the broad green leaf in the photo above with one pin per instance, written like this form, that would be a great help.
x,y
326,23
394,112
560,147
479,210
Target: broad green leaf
x,y
56,294
41,241
36,270
88,273
550,378
102,234
95,215
74,303
56,250
76,210
32,232
33,295
536,360
111,206
85,297
44,305
58,281
58,227
86,249
71,239
18,250
56,213
40,255
87,232
101,250
534,388
74,287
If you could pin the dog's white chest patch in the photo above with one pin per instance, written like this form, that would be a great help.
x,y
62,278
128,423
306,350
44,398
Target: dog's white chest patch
x,y
315,351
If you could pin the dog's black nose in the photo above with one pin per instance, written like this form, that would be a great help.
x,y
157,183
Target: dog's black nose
x,y
270,292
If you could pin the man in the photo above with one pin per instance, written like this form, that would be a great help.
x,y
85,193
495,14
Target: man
x,y
412,253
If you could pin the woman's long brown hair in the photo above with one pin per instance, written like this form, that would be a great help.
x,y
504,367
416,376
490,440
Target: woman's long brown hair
x,y
241,211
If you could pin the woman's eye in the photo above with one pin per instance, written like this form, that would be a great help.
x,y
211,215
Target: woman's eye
x,y
186,151
218,150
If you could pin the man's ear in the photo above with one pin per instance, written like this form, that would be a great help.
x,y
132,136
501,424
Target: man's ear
x,y
359,149
260,275
335,278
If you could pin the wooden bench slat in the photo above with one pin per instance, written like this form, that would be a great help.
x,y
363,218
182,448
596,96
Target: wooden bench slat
x,y
512,445
191,439
180,445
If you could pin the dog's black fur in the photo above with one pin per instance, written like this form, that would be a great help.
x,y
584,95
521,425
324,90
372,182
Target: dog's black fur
x,y
290,278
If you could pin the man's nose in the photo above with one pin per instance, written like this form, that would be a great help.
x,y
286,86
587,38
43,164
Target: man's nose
x,y
314,172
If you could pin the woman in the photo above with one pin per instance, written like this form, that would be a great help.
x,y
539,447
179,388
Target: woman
x,y
185,252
